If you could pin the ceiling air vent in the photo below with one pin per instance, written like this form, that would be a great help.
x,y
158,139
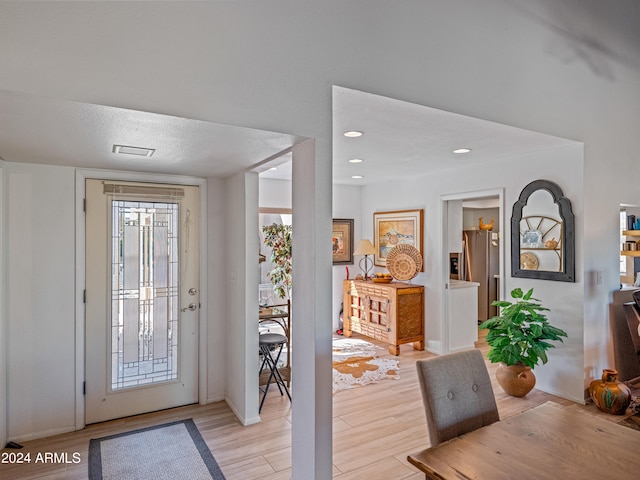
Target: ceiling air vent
x,y
142,152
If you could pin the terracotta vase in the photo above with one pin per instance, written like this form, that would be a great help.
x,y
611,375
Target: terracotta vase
x,y
609,394
515,380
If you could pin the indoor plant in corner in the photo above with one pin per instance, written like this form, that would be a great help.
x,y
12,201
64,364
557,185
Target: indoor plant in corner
x,y
278,238
518,338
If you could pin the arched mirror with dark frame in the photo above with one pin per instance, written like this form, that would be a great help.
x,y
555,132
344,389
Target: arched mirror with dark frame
x,y
543,234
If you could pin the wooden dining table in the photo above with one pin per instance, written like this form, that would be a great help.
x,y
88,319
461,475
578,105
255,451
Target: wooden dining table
x,y
547,442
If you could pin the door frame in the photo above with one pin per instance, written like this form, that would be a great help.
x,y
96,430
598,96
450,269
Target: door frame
x,y
80,346
3,328
444,209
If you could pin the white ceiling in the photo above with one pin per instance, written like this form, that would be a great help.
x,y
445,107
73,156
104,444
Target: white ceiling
x,y
400,139
403,139
51,131
245,63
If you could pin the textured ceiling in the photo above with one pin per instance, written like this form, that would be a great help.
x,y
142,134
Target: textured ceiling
x,y
400,139
403,139
175,76
61,132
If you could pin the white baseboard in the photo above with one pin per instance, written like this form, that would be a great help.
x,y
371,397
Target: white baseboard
x,y
243,421
217,398
461,349
42,434
552,391
433,346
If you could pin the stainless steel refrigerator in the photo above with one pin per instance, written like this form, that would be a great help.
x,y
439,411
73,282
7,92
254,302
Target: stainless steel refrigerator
x,y
482,266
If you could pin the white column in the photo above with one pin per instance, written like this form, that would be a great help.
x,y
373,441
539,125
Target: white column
x,y
311,316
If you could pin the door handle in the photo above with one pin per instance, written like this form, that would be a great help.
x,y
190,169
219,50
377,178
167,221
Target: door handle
x,y
192,307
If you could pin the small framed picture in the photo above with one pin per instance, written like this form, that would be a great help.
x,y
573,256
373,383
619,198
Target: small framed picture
x,y
342,240
395,228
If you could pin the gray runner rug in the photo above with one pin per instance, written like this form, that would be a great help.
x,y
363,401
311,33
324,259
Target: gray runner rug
x,y
170,451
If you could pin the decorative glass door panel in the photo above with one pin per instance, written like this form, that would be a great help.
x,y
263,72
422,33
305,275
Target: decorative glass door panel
x,y
142,298
145,293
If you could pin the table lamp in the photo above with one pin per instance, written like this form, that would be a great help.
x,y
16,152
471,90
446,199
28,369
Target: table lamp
x,y
365,248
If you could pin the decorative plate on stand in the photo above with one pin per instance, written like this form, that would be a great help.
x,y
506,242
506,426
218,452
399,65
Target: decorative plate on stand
x,y
404,262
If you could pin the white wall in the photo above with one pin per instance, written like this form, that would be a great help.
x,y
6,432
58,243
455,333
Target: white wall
x,y
564,373
274,193
40,326
455,226
240,270
217,331
40,302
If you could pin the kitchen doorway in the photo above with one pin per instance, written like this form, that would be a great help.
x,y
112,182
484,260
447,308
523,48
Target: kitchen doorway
x,y
473,235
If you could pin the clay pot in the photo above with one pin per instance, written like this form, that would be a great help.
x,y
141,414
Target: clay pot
x,y
515,380
609,394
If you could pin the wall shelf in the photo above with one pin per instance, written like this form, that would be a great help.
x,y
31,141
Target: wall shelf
x,y
630,253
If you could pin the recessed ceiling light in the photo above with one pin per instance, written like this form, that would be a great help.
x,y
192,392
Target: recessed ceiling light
x,y
357,176
462,150
273,168
353,133
356,160
140,151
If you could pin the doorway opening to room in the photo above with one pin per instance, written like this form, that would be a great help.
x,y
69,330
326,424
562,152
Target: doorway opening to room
x,y
473,264
274,292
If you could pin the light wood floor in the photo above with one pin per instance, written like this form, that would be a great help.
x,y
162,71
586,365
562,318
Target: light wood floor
x,y
375,428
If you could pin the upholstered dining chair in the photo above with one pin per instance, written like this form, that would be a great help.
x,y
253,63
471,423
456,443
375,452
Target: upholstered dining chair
x,y
457,394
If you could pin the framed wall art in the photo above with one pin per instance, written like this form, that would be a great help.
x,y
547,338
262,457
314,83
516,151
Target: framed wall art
x,y
395,228
342,241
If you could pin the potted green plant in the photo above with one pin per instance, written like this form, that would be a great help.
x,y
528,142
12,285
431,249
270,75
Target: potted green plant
x,y
519,339
278,238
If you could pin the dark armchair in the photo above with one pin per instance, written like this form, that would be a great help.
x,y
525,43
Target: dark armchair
x,y
625,316
632,316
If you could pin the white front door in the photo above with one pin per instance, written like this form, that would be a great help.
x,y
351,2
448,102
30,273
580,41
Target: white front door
x,y
142,298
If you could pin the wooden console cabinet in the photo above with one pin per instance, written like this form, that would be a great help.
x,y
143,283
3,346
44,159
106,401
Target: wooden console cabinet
x,y
391,312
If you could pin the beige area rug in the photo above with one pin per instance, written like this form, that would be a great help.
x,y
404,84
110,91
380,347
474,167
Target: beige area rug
x,y
172,451
356,364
